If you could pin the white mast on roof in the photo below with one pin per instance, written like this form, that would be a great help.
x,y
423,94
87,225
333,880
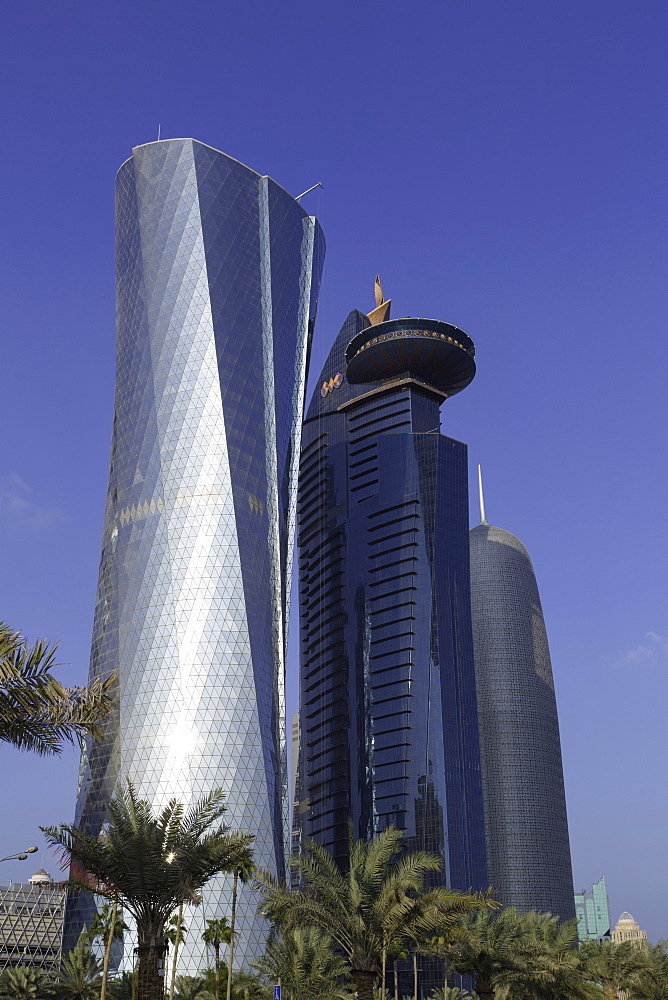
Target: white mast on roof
x,y
481,497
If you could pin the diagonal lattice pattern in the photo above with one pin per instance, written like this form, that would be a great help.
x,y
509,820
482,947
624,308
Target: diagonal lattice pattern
x,y
31,924
216,273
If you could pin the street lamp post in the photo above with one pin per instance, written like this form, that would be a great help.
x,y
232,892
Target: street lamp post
x,y
20,857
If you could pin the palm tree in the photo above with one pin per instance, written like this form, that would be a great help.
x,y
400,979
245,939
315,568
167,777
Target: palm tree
x,y
303,961
650,981
36,712
109,925
243,870
441,946
449,993
248,986
491,948
191,988
80,975
175,933
554,967
379,898
612,965
152,864
121,986
217,932
24,984
397,949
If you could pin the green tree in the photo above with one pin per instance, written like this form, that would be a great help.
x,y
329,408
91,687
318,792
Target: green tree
x,y
152,864
441,946
80,975
120,986
450,993
650,980
36,712
175,932
21,983
247,986
303,961
491,948
243,871
380,897
217,932
208,977
191,988
397,949
612,965
108,924
554,968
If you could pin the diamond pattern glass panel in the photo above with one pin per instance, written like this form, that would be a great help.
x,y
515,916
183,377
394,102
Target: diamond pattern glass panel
x,y
216,270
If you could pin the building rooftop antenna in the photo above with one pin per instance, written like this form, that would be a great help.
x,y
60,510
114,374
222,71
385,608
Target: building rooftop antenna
x,y
158,133
481,497
308,191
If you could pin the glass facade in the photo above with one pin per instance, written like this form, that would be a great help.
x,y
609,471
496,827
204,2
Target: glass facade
x,y
388,715
592,910
218,271
528,848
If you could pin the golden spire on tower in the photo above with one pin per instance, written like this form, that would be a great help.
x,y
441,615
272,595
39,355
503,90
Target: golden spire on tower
x,y
382,310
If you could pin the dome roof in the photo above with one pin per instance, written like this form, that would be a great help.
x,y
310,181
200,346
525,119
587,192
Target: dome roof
x,y
491,533
40,877
626,918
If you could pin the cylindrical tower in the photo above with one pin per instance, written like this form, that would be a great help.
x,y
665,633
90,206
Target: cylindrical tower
x,y
218,271
528,850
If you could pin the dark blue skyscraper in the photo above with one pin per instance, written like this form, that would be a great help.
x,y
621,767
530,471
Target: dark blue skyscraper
x,y
389,731
525,805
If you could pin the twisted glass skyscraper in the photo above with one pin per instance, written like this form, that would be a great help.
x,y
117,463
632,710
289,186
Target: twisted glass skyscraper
x,y
528,849
218,272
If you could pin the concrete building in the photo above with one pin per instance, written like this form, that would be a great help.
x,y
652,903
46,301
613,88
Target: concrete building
x,y
31,923
294,787
626,929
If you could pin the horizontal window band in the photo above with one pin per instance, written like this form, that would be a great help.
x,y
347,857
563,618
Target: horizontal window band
x,y
379,569
395,507
385,430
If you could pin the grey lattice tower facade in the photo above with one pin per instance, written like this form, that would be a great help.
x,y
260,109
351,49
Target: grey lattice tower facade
x,y
525,807
31,923
387,683
218,272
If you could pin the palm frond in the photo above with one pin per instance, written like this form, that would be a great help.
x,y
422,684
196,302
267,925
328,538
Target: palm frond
x,y
134,861
36,712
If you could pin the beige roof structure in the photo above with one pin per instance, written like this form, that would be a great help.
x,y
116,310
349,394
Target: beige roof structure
x,y
627,929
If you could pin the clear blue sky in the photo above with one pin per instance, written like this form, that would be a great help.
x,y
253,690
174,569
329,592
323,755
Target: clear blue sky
x,y
503,166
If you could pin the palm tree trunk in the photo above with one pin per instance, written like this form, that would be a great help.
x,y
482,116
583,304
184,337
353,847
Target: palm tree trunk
x,y
151,967
107,951
484,989
415,975
232,922
363,982
177,941
382,981
216,945
396,981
